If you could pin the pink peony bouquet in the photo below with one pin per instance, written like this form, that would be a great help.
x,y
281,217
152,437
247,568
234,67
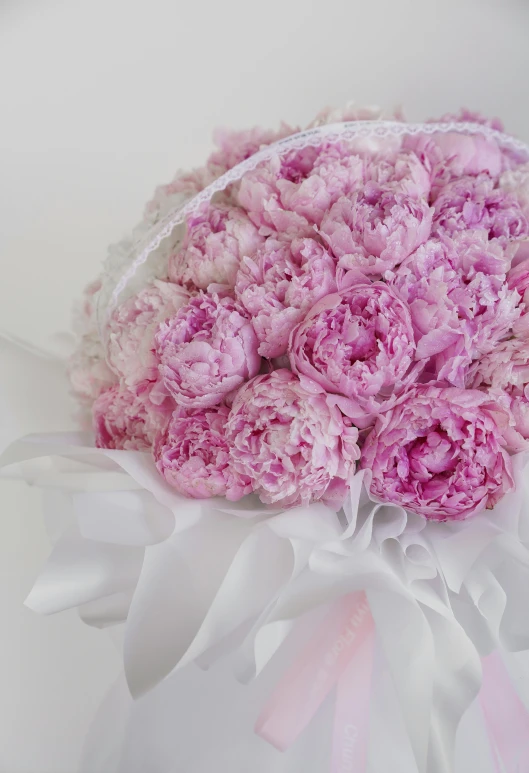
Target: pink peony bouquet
x,y
305,371
353,303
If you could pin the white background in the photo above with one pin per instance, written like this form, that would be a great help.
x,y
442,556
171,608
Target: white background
x,y
103,99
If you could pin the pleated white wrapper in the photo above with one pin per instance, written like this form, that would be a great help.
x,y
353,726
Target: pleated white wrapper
x,y
207,593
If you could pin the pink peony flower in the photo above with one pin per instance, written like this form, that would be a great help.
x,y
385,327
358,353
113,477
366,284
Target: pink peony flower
x,y
475,202
507,365
516,183
452,154
88,371
260,196
518,279
236,146
519,407
440,453
216,240
340,169
206,351
183,187
358,343
130,417
376,229
504,373
279,284
351,112
193,456
290,195
510,158
458,299
400,171
132,327
469,116
291,440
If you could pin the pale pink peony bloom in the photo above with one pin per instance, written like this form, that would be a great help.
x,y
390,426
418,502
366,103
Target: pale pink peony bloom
x,y
87,368
130,417
516,182
510,158
236,146
450,155
376,229
206,350
290,195
340,169
351,112
507,365
184,186
217,238
358,343
518,275
469,116
400,171
518,437
132,327
518,279
88,371
260,196
193,455
504,372
458,299
279,284
475,202
440,453
520,410
291,440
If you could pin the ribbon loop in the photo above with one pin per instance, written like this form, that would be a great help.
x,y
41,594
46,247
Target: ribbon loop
x,y
340,653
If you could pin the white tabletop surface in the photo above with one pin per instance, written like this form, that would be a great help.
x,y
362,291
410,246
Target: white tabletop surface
x,y
102,100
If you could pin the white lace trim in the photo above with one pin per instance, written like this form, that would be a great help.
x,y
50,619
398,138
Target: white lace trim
x,y
350,130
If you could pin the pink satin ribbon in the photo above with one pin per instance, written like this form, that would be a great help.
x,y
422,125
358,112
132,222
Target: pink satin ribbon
x,y
341,654
351,718
506,718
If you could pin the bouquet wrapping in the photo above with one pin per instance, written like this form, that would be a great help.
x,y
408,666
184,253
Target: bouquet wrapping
x,y
301,461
